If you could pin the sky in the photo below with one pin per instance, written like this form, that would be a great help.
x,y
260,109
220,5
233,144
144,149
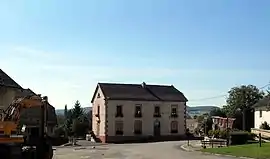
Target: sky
x,y
63,48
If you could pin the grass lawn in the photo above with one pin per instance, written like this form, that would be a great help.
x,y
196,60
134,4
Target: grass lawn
x,y
249,150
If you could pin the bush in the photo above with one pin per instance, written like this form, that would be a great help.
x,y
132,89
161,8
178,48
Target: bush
x,y
251,136
239,137
218,133
265,126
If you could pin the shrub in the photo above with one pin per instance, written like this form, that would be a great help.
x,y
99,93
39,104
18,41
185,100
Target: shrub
x,y
239,137
265,126
218,133
223,134
211,132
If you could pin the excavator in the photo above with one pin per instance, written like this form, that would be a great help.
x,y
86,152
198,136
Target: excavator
x,y
17,141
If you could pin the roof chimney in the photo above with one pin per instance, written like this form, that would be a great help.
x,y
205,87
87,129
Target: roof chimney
x,y
143,84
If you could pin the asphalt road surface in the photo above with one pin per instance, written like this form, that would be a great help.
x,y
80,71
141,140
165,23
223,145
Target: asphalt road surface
x,y
160,150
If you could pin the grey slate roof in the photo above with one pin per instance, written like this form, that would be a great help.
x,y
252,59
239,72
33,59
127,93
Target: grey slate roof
x,y
140,92
7,81
263,102
27,92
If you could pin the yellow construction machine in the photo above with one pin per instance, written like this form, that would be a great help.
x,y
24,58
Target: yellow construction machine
x,y
19,142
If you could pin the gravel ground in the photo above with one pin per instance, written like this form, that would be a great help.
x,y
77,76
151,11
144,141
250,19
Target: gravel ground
x,y
159,150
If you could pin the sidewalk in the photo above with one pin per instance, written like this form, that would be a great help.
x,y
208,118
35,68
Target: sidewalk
x,y
194,145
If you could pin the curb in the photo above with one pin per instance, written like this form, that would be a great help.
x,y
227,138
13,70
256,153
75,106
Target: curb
x,y
216,154
185,149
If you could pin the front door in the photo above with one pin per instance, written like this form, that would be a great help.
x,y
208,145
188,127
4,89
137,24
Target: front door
x,y
156,128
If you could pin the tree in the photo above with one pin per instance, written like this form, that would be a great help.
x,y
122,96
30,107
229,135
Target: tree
x,y
240,102
217,112
65,112
204,122
61,119
77,111
59,131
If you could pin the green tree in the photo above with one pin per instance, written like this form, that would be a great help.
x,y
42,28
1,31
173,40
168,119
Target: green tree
x,y
65,112
61,119
68,123
217,112
240,102
77,111
59,131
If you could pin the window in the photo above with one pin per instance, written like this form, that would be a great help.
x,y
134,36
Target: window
x,y
119,112
174,111
119,126
98,111
138,127
157,111
174,127
260,113
138,110
98,95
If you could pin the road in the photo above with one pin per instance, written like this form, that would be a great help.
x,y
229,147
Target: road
x,y
160,150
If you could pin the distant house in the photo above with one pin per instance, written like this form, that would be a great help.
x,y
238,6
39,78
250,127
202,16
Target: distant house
x,y
9,90
262,112
192,124
130,112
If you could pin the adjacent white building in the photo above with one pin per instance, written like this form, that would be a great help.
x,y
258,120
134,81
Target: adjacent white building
x,y
262,112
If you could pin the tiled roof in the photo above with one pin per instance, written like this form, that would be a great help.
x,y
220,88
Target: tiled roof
x,y
141,92
5,80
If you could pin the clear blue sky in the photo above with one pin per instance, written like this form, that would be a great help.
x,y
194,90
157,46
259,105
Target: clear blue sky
x,y
203,47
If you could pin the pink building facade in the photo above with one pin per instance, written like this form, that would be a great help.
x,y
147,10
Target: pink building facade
x,y
221,123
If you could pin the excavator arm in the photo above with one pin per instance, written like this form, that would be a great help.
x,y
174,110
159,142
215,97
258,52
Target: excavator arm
x,y
10,119
12,113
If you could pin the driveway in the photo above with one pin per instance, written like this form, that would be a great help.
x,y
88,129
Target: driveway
x,y
159,150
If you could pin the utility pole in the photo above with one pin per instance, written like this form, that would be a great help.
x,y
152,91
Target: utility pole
x,y
244,119
227,129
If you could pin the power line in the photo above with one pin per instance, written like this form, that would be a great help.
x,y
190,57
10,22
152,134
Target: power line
x,y
224,95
